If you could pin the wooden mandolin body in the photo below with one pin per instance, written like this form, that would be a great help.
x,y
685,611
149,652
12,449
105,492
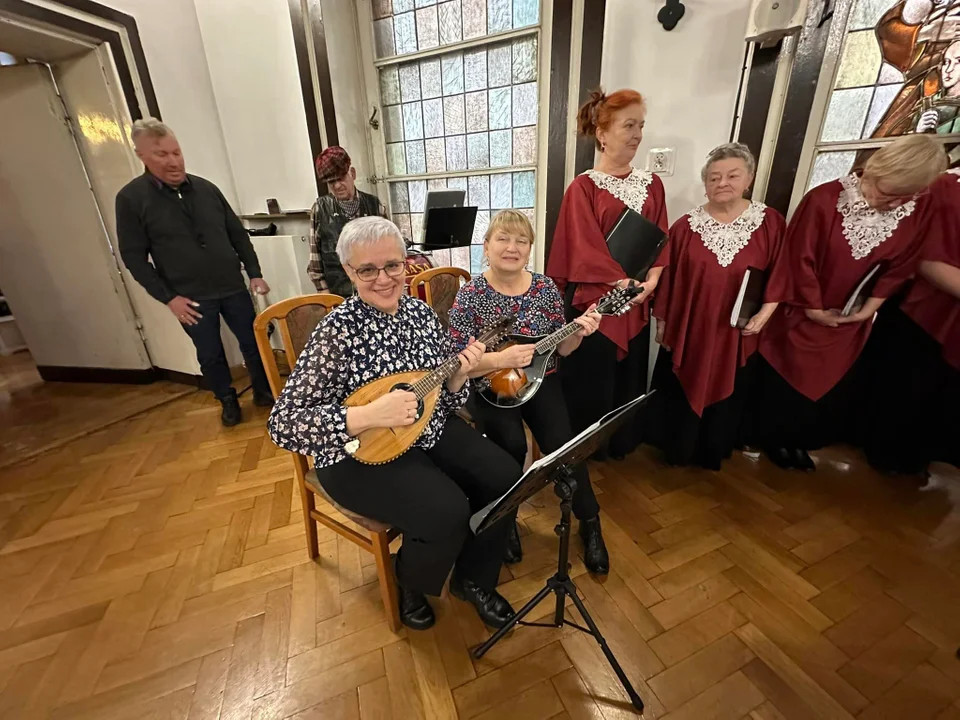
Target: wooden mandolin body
x,y
381,445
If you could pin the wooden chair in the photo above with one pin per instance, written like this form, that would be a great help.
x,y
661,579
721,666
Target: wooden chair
x,y
440,286
295,319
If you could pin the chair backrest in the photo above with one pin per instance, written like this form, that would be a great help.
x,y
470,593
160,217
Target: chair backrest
x,y
440,286
295,320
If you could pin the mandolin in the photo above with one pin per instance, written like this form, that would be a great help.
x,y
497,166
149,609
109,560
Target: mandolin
x,y
512,387
377,446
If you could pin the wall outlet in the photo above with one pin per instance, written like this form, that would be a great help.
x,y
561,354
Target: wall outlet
x,y
661,161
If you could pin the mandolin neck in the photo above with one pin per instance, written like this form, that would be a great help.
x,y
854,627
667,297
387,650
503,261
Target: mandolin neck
x,y
551,341
433,379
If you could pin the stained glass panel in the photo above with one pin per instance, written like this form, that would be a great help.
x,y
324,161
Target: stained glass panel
x,y
430,83
452,71
406,27
882,98
524,190
860,62
501,191
390,85
396,163
475,69
409,82
524,145
433,118
454,119
436,155
478,151
525,104
830,166
418,195
867,13
456,152
476,105
478,191
416,158
498,65
846,114
393,123
500,108
399,200
525,60
501,150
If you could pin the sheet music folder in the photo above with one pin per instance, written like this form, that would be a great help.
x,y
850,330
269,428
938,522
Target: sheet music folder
x,y
540,474
862,292
750,298
635,243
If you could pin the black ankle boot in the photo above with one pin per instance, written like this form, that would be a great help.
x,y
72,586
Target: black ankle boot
x,y
514,552
491,606
263,399
781,457
415,611
230,415
802,461
595,555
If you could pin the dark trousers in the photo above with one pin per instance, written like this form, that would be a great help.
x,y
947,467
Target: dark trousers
x,y
429,495
238,312
546,416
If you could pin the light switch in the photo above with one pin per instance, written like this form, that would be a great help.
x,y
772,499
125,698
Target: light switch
x,y
661,161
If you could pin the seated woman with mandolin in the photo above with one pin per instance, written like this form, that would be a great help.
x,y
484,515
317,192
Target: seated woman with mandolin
x,y
508,288
430,491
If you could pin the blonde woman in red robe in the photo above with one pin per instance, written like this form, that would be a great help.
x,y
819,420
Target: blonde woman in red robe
x,y
913,393
610,368
704,365
840,231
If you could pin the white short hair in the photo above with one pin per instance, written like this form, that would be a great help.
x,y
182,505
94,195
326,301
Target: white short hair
x,y
726,152
149,127
367,231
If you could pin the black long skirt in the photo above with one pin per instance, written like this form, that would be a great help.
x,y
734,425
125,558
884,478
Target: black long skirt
x,y
782,417
690,439
912,399
595,382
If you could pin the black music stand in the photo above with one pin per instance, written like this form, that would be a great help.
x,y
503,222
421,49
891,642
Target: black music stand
x,y
448,227
556,468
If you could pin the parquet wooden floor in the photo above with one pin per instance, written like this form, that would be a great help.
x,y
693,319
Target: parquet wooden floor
x,y
157,569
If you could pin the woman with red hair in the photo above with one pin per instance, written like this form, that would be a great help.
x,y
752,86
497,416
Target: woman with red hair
x,y
611,366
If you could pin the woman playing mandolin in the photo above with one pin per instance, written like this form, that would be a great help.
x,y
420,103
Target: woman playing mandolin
x,y
430,491
507,287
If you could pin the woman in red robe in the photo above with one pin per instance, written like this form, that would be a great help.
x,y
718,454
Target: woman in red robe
x,y
702,370
610,368
840,232
914,387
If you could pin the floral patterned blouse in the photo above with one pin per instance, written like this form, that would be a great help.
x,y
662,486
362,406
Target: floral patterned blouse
x,y
539,311
355,344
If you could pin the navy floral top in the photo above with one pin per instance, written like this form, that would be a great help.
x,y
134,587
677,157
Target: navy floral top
x,y
355,344
539,311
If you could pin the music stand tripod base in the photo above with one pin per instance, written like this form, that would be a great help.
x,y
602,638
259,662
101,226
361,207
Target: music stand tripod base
x,y
561,584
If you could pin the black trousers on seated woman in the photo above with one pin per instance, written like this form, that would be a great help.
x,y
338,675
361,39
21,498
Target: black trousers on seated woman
x,y
429,495
546,416
685,437
912,404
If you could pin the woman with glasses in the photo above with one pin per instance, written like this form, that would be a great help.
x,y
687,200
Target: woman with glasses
x,y
506,288
839,233
429,492
914,385
611,367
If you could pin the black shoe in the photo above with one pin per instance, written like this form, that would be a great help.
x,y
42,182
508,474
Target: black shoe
x,y
595,555
781,457
263,399
491,606
415,611
514,552
230,415
802,461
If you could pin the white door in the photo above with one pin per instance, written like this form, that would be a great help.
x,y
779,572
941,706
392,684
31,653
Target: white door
x,y
56,267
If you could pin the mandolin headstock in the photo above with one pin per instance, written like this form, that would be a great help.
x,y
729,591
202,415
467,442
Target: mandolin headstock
x,y
497,330
617,301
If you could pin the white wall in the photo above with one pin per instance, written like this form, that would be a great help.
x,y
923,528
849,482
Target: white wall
x,y
253,68
690,77
173,46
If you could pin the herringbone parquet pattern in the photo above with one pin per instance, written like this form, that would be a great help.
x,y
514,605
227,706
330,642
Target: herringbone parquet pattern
x,y
157,569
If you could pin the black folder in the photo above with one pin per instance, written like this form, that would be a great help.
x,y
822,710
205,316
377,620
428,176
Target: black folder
x,y
635,243
750,297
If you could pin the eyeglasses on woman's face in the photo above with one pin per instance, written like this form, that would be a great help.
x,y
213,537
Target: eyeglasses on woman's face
x,y
369,273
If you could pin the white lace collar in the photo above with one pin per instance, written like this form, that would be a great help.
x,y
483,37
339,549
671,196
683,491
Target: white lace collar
x,y
863,227
725,240
631,190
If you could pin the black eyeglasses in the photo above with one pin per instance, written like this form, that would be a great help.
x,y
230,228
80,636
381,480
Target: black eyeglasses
x,y
369,273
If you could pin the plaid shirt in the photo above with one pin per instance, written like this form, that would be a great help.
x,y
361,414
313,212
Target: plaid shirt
x,y
327,218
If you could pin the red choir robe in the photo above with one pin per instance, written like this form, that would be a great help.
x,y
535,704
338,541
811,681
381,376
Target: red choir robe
x,y
579,251
934,310
697,293
818,270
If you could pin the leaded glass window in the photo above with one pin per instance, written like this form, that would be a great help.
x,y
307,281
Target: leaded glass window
x,y
464,117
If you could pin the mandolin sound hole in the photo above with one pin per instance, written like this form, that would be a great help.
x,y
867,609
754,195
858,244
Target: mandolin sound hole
x,y
409,388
